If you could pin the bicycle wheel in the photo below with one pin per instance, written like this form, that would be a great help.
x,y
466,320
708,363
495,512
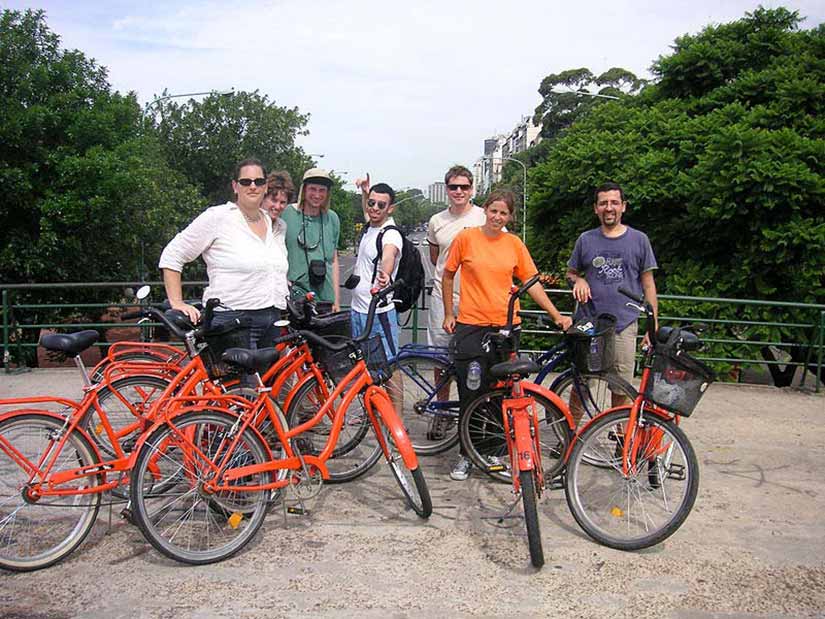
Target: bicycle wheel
x,y
482,434
357,449
588,396
646,505
34,535
125,402
425,393
529,499
411,481
170,505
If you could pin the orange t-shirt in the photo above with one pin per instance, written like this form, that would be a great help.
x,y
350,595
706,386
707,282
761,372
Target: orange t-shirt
x,y
487,269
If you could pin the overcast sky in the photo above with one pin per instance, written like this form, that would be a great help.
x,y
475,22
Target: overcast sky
x,y
402,90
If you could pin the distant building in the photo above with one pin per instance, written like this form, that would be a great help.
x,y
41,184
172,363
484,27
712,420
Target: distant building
x,y
438,193
487,170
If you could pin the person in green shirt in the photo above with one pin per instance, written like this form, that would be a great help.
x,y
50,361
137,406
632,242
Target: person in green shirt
x,y
312,240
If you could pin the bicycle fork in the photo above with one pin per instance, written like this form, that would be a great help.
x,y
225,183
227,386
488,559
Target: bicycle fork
x,y
522,431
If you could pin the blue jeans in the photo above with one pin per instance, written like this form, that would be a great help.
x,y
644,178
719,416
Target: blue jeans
x,y
385,325
260,332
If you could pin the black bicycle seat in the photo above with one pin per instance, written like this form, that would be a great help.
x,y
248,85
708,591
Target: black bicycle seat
x,y
251,360
522,367
70,343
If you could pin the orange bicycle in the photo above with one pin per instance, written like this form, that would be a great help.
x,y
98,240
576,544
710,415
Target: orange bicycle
x,y
502,429
206,472
647,478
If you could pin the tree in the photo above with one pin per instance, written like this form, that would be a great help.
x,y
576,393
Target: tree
x,y
722,159
82,185
560,108
205,139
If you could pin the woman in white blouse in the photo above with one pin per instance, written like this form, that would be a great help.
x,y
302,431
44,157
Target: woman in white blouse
x,y
246,260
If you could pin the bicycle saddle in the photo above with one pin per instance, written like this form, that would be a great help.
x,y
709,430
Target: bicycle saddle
x,y
522,367
670,336
70,343
251,360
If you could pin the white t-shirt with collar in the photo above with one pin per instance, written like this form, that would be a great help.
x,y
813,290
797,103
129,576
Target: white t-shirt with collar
x,y
442,228
245,272
367,251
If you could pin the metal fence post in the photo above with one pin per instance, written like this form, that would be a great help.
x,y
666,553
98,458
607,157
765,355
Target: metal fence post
x,y
6,352
819,352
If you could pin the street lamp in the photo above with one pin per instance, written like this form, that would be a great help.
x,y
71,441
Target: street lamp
x,y
185,94
415,195
524,192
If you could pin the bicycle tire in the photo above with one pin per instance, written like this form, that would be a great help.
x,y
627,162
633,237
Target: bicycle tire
x,y
632,512
36,535
432,427
529,499
357,449
482,434
593,394
411,481
201,528
124,401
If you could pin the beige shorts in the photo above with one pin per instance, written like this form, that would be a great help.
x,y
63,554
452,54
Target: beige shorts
x,y
436,335
626,351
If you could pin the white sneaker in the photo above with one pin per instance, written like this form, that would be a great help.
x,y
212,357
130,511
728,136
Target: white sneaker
x,y
461,470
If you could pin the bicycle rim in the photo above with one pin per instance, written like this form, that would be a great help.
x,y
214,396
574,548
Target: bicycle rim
x,y
482,431
37,535
646,505
125,402
589,395
357,449
425,393
181,520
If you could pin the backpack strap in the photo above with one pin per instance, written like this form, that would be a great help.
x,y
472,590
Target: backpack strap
x,y
379,248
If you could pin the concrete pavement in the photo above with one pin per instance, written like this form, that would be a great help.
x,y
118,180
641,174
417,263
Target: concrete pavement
x,y
753,547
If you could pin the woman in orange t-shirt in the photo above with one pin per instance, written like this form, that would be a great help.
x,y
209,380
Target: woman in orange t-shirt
x,y
489,258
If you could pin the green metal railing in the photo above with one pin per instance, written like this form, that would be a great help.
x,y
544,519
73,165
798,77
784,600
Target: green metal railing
x,y
19,323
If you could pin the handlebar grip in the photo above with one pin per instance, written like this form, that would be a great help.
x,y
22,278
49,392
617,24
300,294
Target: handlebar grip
x,y
286,338
322,341
630,295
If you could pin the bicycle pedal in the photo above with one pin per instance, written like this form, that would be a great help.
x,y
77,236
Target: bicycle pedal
x,y
298,511
677,472
496,468
127,515
557,483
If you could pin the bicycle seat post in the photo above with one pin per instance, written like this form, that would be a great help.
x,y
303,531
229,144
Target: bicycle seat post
x,y
84,373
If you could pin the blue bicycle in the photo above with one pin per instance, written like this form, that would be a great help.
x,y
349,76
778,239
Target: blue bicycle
x,y
425,391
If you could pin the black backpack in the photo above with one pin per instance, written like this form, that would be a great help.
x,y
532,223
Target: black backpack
x,y
410,270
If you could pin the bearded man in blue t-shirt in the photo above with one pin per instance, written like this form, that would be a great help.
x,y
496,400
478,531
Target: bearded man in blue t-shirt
x,y
608,257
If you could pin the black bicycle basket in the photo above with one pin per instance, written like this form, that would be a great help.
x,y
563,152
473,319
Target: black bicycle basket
x,y
677,381
338,364
217,341
593,344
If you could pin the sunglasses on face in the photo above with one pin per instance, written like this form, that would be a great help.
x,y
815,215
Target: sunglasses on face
x,y
246,182
379,204
456,187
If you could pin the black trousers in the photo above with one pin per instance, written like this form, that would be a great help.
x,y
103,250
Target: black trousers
x,y
466,347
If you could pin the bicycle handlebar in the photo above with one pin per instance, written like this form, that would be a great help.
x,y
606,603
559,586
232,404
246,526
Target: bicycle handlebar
x,y
514,295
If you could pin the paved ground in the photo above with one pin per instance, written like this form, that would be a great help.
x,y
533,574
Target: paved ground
x,y
754,545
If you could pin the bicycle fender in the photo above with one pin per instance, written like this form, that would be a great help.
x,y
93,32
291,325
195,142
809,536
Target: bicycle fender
x,y
623,407
61,418
387,412
524,442
554,398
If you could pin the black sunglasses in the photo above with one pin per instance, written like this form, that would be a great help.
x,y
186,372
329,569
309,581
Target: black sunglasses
x,y
380,204
246,182
453,187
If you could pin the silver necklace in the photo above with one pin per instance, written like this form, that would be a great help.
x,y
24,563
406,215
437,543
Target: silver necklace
x,y
252,220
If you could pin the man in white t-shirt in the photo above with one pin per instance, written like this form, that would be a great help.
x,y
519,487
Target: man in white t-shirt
x,y
378,208
441,230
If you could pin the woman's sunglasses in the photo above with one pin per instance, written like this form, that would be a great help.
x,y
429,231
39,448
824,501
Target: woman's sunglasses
x,y
246,182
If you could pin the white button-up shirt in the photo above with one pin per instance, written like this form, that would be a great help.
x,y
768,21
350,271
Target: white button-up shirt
x,y
245,272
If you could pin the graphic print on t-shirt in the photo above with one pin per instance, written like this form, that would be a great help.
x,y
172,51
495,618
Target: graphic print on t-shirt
x,y
609,268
